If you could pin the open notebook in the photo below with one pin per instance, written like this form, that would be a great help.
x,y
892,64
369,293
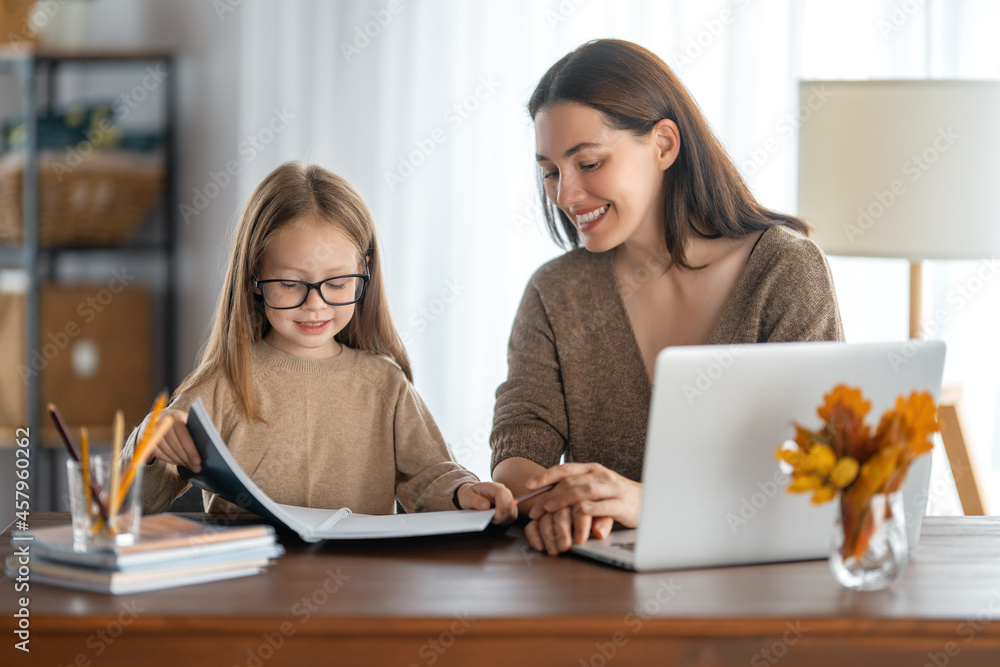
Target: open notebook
x,y
221,475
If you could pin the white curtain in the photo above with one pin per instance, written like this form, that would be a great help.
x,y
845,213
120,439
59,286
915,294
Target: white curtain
x,y
420,104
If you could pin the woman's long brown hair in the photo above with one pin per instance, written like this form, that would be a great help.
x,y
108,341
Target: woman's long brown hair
x,y
703,192
287,193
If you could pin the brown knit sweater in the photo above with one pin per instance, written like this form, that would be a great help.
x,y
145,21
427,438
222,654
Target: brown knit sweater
x,y
577,384
349,431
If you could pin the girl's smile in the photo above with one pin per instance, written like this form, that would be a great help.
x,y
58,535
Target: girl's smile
x,y
312,328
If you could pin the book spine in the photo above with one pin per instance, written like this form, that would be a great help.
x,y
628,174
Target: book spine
x,y
334,518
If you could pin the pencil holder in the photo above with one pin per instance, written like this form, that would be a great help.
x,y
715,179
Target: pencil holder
x,y
106,506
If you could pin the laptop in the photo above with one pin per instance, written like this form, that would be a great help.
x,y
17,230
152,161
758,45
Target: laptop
x,y
713,492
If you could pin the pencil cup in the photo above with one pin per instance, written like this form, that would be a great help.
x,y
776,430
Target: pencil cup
x,y
102,523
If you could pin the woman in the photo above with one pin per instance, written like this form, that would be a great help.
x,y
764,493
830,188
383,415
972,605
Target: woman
x,y
675,251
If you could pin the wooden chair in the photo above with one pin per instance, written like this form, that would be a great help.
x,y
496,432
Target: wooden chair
x,y
963,467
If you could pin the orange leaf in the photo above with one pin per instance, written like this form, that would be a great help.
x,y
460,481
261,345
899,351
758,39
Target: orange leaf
x,y
805,483
823,494
850,397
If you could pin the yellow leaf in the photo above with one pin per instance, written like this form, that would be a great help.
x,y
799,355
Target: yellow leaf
x,y
789,456
805,483
823,494
820,459
845,472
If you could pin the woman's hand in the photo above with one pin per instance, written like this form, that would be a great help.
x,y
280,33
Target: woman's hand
x,y
559,531
587,499
483,495
177,447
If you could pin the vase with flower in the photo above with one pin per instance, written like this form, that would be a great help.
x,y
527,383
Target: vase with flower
x,y
866,469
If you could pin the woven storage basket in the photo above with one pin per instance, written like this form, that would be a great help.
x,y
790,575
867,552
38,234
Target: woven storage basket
x,y
98,202
14,28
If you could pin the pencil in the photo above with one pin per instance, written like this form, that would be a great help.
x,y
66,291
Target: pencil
x,y
531,494
158,406
63,431
142,445
95,489
141,453
84,460
118,438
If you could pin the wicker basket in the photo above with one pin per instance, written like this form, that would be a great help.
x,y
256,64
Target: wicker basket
x,y
97,202
14,27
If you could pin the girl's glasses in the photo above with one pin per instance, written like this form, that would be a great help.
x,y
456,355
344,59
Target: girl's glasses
x,y
286,294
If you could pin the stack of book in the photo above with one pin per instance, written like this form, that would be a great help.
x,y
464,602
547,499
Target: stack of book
x,y
171,551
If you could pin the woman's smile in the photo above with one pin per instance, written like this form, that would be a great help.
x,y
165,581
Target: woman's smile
x,y
607,182
590,217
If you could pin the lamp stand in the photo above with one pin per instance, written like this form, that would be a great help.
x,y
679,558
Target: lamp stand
x,y
952,428
916,294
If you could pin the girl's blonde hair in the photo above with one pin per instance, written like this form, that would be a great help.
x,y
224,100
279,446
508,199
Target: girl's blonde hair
x,y
287,193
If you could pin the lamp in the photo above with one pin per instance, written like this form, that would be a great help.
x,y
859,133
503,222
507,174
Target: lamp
x,y
905,169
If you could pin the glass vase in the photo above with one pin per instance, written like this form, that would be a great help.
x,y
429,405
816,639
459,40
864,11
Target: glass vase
x,y
872,553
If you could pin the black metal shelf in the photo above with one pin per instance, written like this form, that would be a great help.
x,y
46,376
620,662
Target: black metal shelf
x,y
10,250
40,72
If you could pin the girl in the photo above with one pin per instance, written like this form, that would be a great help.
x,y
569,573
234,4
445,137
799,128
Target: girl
x,y
304,374
675,251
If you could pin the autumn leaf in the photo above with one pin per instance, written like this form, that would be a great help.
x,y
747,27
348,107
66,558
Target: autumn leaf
x,y
819,459
845,472
843,412
849,397
802,483
823,494
845,456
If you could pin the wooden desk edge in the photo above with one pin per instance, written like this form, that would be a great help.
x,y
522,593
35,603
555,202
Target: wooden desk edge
x,y
529,626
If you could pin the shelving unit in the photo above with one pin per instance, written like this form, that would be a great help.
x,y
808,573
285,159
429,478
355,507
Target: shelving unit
x,y
41,79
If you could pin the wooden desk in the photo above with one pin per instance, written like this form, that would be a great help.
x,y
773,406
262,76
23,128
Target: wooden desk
x,y
487,599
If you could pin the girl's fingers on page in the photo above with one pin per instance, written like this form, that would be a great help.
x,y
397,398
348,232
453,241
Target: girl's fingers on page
x,y
172,448
187,444
168,451
506,509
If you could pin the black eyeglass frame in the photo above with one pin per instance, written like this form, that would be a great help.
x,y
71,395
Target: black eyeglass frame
x,y
365,277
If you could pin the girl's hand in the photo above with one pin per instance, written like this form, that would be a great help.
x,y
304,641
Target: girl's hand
x,y
177,447
483,495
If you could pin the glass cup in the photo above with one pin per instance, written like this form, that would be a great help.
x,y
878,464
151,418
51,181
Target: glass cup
x,y
884,555
91,530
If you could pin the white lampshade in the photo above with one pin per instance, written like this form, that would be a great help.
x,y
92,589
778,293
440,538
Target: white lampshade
x,y
907,169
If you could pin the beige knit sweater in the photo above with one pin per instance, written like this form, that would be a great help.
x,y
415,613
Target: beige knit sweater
x,y
577,384
349,431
